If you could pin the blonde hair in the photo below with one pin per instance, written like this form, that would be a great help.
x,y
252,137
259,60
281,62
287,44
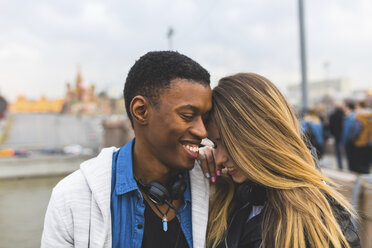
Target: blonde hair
x,y
262,137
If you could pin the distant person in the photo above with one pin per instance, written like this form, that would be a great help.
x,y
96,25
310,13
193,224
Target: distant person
x,y
3,107
143,194
336,121
322,114
362,138
346,143
273,195
313,129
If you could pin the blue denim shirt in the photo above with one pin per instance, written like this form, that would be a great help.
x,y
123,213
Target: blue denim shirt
x,y
317,129
127,207
346,131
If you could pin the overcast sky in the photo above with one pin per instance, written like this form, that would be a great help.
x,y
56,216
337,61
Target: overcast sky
x,y
43,41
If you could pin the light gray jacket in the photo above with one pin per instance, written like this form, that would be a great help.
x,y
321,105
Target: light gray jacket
x,y
78,213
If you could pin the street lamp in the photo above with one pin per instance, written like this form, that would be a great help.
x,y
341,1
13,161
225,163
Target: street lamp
x,y
303,57
169,36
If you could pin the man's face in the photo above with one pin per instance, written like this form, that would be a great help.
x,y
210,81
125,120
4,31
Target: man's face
x,y
176,124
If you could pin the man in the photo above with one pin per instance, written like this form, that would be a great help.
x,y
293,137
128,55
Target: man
x,y
313,129
141,194
346,143
336,121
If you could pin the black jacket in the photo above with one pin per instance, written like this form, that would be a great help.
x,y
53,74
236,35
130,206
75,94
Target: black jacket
x,y
336,122
247,233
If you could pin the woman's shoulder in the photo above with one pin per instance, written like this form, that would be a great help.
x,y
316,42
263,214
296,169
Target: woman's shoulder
x,y
252,234
345,221
244,230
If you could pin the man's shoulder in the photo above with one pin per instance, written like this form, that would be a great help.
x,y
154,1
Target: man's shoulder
x,y
75,182
92,170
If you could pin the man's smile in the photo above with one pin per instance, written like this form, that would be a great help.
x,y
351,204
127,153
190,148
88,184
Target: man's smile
x,y
191,149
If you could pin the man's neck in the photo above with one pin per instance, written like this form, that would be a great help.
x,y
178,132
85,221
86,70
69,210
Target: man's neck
x,y
148,169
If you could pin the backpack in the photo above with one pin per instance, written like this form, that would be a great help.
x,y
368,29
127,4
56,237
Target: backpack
x,y
361,130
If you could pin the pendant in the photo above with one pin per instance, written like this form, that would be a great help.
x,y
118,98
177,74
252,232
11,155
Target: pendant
x,y
165,223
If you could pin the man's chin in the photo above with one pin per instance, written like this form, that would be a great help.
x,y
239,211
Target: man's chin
x,y
184,167
190,167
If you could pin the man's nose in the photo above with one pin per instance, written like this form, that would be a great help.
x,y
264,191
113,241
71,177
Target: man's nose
x,y
199,128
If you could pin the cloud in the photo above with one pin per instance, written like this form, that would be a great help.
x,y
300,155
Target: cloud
x,y
42,42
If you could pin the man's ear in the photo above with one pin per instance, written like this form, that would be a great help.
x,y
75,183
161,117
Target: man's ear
x,y
139,109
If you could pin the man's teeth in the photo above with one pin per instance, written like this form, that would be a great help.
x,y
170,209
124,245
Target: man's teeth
x,y
192,148
230,168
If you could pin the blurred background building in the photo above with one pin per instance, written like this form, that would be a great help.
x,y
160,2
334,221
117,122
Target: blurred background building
x,y
335,89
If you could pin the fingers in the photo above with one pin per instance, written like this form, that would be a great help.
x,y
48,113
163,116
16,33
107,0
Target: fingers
x,y
202,161
207,163
211,164
219,166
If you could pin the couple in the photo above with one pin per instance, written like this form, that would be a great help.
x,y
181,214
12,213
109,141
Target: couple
x,y
149,194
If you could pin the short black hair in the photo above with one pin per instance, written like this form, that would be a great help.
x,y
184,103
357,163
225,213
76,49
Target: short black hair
x,y
350,104
152,73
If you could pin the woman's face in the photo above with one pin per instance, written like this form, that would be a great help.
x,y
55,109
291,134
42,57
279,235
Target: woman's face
x,y
221,155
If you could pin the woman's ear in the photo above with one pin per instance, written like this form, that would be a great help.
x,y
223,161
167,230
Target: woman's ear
x,y
139,110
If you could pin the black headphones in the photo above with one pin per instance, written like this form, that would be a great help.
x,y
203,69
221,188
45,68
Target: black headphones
x,y
159,194
250,192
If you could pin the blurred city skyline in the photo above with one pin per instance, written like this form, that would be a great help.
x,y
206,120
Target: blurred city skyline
x,y
43,42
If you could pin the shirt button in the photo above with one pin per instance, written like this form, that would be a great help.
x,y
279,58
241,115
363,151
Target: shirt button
x,y
139,226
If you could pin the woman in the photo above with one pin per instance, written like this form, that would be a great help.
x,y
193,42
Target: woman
x,y
274,196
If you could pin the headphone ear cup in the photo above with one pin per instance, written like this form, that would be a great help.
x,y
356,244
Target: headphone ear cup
x,y
243,192
157,193
178,188
250,192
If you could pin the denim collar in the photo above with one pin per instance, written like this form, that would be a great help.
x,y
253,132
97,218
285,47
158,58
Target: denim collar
x,y
124,170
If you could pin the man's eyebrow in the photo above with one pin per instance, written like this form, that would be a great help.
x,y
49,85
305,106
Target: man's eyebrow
x,y
188,106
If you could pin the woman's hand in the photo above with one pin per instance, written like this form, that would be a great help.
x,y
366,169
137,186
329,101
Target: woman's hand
x,y
206,160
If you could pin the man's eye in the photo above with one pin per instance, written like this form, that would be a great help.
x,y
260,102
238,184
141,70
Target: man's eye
x,y
187,117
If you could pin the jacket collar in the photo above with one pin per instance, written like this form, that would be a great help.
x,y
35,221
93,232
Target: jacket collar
x,y
97,172
199,205
124,170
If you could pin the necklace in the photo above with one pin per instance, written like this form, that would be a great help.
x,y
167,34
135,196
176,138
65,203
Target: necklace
x,y
164,219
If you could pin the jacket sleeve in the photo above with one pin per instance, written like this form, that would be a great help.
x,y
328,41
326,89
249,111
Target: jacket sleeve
x,y
351,235
347,226
346,130
350,232
55,233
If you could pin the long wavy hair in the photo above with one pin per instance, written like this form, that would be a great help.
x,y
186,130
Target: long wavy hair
x,y
262,137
